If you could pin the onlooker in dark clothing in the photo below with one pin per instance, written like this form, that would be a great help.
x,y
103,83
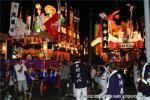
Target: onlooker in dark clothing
x,y
136,73
64,72
9,76
144,82
93,74
80,78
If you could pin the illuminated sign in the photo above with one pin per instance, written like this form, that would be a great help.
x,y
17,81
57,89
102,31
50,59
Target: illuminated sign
x,y
105,34
126,45
96,41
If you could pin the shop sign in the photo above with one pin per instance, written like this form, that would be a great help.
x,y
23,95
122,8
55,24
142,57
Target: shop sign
x,y
126,45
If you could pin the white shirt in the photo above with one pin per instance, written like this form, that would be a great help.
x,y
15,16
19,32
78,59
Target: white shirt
x,y
20,75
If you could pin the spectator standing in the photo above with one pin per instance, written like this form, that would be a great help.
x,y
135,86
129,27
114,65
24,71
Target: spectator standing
x,y
80,78
101,79
144,82
71,76
20,70
135,73
64,72
93,74
8,79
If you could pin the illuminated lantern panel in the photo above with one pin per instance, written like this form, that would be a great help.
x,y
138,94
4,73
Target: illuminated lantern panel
x,y
50,10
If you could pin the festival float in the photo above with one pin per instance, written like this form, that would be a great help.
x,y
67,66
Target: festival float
x,y
47,35
120,42
45,39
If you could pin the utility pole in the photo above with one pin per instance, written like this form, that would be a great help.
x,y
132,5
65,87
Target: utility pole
x,y
147,28
90,36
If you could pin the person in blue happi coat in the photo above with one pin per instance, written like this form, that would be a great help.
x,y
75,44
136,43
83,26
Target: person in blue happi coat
x,y
81,76
115,87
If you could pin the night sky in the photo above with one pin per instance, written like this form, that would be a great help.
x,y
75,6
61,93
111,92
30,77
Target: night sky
x,y
82,6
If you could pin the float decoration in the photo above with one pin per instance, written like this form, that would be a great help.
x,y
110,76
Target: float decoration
x,y
52,26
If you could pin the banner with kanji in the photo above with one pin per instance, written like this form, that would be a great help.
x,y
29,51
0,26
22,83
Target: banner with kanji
x,y
76,20
105,34
71,33
13,16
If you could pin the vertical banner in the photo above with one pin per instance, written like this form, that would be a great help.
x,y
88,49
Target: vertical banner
x,y
67,34
28,22
76,20
105,34
62,20
67,18
13,16
71,27
95,30
66,14
71,21
14,9
98,30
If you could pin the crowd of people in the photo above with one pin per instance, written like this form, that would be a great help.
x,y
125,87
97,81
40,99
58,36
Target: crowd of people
x,y
79,75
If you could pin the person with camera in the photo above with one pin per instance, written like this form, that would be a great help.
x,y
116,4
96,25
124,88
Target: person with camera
x,y
101,79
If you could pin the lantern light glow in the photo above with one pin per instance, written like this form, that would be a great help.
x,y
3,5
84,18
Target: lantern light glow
x,y
38,6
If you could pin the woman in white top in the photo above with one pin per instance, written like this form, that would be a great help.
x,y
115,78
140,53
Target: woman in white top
x,y
20,69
